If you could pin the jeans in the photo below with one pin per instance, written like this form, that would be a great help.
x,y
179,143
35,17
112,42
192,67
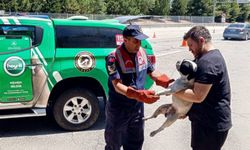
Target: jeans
x,y
203,138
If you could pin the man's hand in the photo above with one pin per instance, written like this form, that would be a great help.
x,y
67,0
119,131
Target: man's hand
x,y
163,80
145,96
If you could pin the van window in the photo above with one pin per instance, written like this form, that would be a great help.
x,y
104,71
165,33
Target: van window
x,y
35,33
86,37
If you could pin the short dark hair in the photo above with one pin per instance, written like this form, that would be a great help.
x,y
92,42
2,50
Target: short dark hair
x,y
196,32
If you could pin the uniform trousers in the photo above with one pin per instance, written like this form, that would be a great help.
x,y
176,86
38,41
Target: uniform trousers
x,y
124,128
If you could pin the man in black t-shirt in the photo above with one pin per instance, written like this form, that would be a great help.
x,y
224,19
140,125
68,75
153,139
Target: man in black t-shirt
x,y
210,114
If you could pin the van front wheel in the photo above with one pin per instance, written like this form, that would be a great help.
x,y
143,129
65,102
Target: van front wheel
x,y
76,109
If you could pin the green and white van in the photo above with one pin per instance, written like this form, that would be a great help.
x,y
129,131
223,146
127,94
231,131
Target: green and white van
x,y
57,65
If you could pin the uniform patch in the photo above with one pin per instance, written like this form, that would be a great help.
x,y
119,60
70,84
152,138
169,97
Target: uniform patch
x,y
111,65
84,61
141,60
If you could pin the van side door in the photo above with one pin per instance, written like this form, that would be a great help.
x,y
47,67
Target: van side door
x,y
16,78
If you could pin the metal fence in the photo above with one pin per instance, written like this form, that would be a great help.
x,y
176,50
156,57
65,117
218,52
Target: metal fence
x,y
176,19
191,19
64,15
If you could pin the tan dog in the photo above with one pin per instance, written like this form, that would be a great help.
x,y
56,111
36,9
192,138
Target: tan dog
x,y
40,85
178,108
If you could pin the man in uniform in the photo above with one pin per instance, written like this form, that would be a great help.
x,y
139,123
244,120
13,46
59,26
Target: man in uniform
x,y
128,67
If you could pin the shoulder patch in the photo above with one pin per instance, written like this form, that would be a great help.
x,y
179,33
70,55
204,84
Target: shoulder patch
x,y
110,64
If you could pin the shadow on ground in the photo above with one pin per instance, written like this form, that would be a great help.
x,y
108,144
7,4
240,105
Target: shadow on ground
x,y
40,126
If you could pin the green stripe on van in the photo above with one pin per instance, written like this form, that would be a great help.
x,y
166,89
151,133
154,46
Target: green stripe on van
x,y
12,21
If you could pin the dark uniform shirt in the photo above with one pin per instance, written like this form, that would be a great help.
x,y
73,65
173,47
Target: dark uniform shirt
x,y
214,112
134,75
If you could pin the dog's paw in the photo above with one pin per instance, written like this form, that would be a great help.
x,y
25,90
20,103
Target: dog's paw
x,y
147,118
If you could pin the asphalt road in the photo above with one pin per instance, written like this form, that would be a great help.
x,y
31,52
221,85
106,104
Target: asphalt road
x,y
43,134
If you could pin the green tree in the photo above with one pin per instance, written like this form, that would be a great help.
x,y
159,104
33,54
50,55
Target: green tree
x,y
178,7
112,6
244,13
121,7
37,5
12,5
83,6
162,7
55,6
234,12
145,6
200,8
133,7
2,5
97,7
71,6
222,8
23,5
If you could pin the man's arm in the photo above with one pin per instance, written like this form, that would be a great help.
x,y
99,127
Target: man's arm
x,y
153,75
119,87
160,79
196,95
145,96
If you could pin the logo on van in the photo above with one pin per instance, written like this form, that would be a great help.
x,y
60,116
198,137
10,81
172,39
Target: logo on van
x,y
13,43
14,66
84,61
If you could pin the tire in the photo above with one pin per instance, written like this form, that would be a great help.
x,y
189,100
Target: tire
x,y
76,109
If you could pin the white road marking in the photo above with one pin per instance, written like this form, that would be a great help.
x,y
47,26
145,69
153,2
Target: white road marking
x,y
169,53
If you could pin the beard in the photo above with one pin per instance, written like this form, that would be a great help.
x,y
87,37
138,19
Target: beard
x,y
199,51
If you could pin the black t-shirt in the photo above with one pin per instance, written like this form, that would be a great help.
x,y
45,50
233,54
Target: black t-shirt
x,y
214,112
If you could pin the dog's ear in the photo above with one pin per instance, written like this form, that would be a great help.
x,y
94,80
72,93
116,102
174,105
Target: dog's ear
x,y
185,68
178,64
188,68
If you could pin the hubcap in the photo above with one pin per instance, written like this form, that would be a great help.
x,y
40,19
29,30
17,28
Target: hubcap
x,y
77,110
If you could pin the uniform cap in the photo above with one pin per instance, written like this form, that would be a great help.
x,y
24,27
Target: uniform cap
x,y
134,31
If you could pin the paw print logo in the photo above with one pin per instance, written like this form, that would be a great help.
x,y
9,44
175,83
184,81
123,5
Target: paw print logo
x,y
84,61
